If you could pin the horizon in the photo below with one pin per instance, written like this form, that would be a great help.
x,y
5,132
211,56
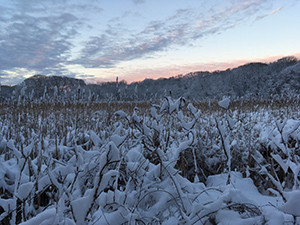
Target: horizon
x,y
142,39
158,78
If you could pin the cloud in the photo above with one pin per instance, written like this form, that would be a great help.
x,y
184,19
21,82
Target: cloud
x,y
269,14
38,37
14,76
108,49
36,42
99,52
275,11
139,1
182,28
46,36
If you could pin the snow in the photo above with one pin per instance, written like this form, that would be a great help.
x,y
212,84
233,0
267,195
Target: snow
x,y
121,114
273,217
134,155
244,187
111,171
229,217
280,161
95,138
295,68
224,103
117,139
24,190
292,206
171,221
27,150
80,208
44,218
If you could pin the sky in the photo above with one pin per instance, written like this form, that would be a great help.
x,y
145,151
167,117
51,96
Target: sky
x,y
99,40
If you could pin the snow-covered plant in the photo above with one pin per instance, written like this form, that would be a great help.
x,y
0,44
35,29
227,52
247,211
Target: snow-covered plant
x,y
278,157
121,163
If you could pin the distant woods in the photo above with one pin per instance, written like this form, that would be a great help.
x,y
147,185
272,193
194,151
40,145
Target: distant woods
x,y
279,79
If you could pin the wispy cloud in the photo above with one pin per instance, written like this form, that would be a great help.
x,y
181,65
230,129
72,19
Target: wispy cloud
x,y
275,11
179,29
269,14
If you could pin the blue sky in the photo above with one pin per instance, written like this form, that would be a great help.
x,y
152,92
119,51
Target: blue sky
x,y
98,40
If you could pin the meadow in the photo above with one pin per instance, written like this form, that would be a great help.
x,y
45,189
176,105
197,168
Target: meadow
x,y
167,162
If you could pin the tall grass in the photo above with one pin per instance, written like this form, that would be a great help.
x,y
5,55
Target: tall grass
x,y
138,158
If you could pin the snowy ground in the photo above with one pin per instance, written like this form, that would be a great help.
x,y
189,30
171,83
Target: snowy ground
x,y
173,164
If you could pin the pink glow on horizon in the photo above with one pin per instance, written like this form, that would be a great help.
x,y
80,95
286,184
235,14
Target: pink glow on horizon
x,y
171,71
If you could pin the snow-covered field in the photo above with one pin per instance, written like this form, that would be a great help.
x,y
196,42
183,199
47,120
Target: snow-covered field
x,y
172,163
